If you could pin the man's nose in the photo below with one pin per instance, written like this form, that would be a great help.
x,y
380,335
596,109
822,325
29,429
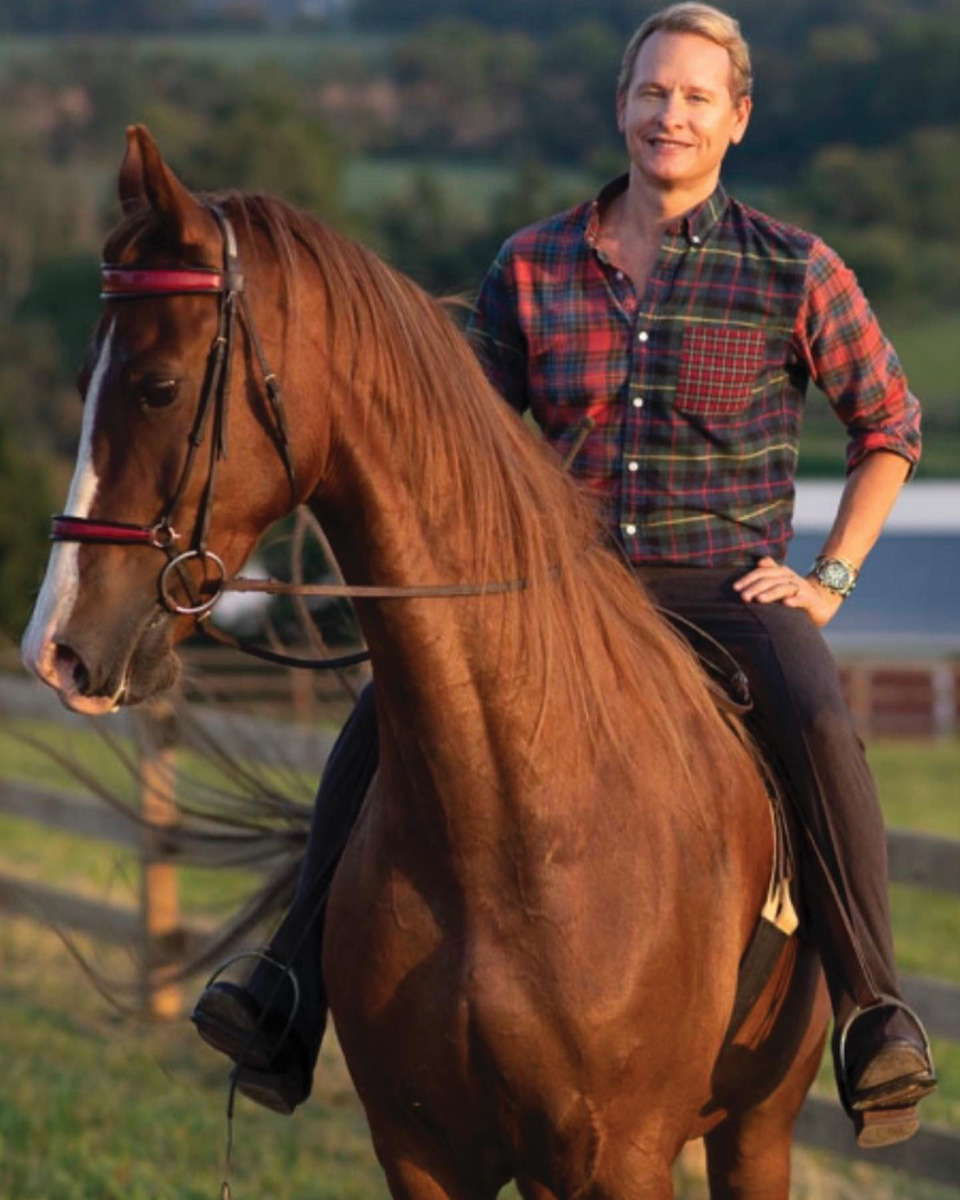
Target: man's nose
x,y
673,109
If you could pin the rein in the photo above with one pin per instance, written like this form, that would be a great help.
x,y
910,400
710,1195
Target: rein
x,y
120,282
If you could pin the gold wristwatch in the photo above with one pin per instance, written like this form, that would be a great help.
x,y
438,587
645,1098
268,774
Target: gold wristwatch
x,y
837,575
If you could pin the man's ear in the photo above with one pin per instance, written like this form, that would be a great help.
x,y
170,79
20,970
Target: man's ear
x,y
145,180
743,108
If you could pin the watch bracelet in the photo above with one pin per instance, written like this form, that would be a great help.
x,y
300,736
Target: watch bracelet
x,y
822,560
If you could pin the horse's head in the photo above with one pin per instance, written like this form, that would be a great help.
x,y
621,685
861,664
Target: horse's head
x,y
153,478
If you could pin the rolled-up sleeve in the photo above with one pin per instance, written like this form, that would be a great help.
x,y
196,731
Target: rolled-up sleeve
x,y
495,332
853,364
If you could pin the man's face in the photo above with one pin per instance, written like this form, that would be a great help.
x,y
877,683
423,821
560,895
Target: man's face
x,y
678,115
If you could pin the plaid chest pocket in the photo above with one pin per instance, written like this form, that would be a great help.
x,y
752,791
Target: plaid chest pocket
x,y
719,370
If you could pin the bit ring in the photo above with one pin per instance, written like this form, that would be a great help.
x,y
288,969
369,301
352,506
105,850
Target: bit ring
x,y
190,610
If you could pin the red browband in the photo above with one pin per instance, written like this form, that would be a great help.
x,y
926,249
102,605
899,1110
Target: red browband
x,y
82,529
140,281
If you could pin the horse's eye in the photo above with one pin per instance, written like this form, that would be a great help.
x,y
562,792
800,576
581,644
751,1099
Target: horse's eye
x,y
158,393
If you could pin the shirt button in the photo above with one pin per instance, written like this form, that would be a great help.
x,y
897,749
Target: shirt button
x,y
633,466
619,275
695,240
630,530
643,336
637,402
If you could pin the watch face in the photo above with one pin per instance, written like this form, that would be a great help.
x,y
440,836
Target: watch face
x,y
834,575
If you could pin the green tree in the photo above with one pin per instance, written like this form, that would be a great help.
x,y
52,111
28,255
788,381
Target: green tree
x,y
261,139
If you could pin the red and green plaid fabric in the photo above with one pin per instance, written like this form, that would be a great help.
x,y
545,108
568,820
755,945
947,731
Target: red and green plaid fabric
x,y
697,388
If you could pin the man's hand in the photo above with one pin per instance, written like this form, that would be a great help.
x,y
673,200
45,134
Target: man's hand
x,y
771,582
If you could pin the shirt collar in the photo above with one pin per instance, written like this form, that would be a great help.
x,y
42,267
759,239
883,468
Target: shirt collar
x,y
695,225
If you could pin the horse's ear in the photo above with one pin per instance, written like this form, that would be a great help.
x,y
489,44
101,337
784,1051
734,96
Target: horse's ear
x,y
146,180
130,183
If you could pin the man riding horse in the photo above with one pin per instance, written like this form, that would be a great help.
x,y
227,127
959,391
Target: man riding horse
x,y
682,328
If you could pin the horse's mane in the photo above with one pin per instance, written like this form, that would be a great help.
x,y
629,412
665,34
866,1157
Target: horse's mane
x,y
583,611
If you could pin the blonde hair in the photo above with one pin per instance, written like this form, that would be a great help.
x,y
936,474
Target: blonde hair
x,y
705,21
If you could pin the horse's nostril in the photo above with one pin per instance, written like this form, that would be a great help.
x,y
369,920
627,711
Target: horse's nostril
x,y
70,666
81,677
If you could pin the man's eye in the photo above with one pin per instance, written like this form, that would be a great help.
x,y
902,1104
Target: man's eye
x,y
158,393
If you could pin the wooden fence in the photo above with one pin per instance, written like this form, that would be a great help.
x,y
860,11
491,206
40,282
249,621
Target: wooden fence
x,y
914,698
888,697
917,859
153,925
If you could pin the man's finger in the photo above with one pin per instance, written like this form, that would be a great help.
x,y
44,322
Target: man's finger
x,y
777,589
761,573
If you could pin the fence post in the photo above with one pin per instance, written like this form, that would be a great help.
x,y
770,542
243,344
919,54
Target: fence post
x,y
944,700
163,938
860,696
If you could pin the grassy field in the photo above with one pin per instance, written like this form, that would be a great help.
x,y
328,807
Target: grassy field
x,y
929,349
470,187
98,1106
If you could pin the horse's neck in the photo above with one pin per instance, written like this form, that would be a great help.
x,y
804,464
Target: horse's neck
x,y
455,710
486,774
380,535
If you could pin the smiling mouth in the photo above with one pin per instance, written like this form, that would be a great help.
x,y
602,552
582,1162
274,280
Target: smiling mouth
x,y
667,144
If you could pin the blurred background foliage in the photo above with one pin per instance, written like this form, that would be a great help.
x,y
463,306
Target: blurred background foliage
x,y
433,128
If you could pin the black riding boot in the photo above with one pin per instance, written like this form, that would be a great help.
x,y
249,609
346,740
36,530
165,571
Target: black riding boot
x,y
276,1025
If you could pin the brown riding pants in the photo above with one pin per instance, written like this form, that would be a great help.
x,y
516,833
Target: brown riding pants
x,y
802,723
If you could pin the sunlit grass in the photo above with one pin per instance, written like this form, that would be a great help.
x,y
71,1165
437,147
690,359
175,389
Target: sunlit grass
x,y
99,1106
919,782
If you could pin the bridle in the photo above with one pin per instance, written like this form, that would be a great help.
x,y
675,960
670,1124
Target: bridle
x,y
121,282
131,282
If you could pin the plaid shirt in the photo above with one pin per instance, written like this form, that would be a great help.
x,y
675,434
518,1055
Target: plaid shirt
x,y
696,387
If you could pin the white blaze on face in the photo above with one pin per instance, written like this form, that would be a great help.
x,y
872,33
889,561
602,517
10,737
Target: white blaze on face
x,y
60,584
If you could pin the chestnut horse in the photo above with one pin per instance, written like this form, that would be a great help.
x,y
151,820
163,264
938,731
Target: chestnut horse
x,y
533,937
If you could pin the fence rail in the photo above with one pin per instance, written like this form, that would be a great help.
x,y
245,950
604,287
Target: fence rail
x,y
885,698
912,698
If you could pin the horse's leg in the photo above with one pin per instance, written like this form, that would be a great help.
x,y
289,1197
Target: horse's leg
x,y
748,1158
633,1175
419,1180
531,1190
748,1155
419,1166
647,1185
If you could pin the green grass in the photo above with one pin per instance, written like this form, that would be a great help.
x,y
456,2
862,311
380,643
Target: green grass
x,y
21,760
95,1106
926,926
823,446
86,864
919,783
929,349
472,188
